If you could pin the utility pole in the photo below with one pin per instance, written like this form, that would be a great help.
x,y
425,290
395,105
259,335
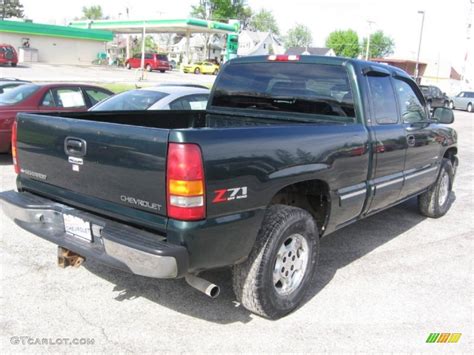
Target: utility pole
x,y
417,68
368,39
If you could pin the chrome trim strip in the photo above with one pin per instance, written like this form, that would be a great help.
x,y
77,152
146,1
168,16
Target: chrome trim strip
x,y
388,183
352,194
411,176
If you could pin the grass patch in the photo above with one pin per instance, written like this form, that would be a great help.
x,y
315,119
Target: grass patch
x,y
121,87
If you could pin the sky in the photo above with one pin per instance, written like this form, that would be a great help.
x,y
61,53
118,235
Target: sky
x,y
444,34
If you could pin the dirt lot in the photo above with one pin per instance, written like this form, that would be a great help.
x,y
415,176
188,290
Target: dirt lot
x,y
384,284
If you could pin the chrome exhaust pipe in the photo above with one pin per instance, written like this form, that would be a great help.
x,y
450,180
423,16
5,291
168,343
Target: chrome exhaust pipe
x,y
202,285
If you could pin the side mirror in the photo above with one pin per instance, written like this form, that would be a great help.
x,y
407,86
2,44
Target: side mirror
x,y
443,115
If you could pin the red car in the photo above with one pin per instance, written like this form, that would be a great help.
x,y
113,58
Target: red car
x,y
8,55
153,61
44,98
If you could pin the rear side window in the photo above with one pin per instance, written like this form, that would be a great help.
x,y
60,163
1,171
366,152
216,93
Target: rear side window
x,y
314,89
162,57
190,102
383,100
96,95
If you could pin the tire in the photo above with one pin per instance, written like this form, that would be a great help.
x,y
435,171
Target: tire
x,y
162,71
128,66
197,71
469,107
436,201
446,104
148,68
253,280
451,105
13,64
216,71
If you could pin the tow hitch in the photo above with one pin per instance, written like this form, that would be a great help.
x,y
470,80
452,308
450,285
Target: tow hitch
x,y
69,258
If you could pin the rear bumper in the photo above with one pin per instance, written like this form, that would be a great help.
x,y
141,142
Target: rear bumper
x,y
115,244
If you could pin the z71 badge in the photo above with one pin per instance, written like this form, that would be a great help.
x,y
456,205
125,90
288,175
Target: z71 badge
x,y
225,195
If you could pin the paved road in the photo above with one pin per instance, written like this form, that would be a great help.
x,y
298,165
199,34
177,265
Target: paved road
x,y
384,284
103,74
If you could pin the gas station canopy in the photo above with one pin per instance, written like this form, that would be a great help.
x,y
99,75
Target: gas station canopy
x,y
181,26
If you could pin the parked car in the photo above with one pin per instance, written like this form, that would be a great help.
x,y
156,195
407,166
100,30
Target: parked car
x,y
173,64
153,61
8,55
278,160
156,98
8,84
462,101
45,98
434,96
201,68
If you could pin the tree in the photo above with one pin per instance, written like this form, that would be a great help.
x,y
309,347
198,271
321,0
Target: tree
x,y
298,36
222,10
380,45
150,45
11,8
264,21
344,43
92,12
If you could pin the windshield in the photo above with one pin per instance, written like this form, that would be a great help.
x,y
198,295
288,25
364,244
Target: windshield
x,y
130,101
286,87
17,94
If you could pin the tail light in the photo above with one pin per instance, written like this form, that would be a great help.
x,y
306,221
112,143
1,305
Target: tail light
x,y
15,148
185,182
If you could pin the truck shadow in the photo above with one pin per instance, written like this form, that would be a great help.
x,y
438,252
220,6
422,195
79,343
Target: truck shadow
x,y
5,159
337,251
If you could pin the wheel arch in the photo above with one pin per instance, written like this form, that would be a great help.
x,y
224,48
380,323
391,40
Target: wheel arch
x,y
312,195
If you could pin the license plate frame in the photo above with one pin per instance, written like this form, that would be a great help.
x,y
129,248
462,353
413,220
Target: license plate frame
x,y
77,227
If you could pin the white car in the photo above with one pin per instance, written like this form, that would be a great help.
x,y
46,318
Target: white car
x,y
164,97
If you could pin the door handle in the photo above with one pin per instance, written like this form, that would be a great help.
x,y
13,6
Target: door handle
x,y
75,146
411,140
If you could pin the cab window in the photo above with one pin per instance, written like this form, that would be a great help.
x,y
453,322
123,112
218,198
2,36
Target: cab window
x,y
412,109
384,104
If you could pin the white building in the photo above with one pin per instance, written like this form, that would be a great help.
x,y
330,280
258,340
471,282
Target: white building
x,y
259,43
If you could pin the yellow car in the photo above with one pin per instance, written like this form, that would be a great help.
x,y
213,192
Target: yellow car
x,y
201,68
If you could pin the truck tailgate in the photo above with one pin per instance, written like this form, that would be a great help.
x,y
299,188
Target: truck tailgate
x,y
122,165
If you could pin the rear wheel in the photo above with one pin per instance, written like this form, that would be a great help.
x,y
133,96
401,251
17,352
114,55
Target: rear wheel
x,y
162,71
469,107
197,71
276,276
436,201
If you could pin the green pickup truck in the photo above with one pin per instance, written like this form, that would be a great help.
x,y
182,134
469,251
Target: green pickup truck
x,y
289,150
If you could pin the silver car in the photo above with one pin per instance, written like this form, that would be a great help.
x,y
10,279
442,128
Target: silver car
x,y
463,101
165,97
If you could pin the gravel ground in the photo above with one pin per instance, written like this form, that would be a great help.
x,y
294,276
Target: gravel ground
x,y
384,284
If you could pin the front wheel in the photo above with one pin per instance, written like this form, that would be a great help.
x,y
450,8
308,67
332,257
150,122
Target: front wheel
x,y
276,276
128,66
436,201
